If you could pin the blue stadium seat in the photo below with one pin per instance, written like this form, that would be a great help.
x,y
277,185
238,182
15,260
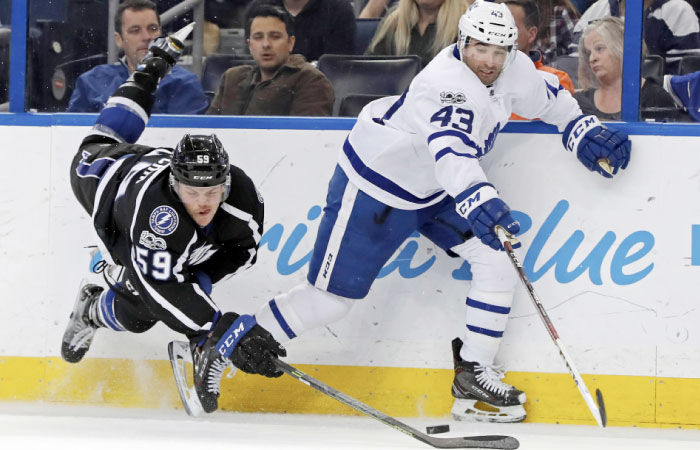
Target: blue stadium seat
x,y
364,34
375,75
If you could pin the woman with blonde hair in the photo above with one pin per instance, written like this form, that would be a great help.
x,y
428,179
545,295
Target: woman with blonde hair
x,y
600,72
418,27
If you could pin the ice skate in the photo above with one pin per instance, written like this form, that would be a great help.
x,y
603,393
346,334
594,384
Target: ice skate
x,y
209,367
80,329
480,395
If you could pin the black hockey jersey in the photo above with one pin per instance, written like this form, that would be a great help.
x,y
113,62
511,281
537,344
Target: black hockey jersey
x,y
144,227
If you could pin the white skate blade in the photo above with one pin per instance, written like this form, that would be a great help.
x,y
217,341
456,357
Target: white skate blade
x,y
180,355
469,411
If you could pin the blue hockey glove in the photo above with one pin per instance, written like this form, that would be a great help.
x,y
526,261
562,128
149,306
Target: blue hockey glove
x,y
483,210
600,149
249,346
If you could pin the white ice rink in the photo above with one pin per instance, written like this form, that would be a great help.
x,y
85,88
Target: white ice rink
x,y
25,426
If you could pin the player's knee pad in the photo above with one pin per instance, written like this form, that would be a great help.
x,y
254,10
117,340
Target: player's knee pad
x,y
303,308
492,271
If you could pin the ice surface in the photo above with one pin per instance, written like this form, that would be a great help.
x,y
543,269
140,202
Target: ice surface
x,y
76,427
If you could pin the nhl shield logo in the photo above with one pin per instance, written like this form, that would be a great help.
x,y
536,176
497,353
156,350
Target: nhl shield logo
x,y
164,220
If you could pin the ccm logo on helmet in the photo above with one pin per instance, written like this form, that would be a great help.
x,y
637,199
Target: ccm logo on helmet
x,y
202,177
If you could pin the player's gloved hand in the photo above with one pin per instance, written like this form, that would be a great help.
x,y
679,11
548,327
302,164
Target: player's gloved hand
x,y
250,347
163,53
599,148
483,210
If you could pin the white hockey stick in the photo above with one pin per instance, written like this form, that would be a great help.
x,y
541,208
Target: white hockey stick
x,y
598,410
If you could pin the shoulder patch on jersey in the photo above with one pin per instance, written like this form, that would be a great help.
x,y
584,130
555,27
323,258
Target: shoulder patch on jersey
x,y
151,241
452,97
260,197
164,220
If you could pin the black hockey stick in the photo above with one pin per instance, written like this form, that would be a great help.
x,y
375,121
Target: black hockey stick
x,y
598,410
500,442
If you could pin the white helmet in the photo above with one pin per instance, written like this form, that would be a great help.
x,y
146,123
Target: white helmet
x,y
490,23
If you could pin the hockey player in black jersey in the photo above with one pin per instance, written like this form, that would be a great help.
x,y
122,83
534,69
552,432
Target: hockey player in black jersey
x,y
170,223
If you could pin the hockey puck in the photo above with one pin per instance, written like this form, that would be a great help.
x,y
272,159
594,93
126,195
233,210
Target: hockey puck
x,y
437,429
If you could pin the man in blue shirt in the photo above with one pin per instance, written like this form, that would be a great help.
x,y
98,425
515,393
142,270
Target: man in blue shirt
x,y
137,23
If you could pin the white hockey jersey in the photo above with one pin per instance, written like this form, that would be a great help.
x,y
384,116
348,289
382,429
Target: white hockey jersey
x,y
410,151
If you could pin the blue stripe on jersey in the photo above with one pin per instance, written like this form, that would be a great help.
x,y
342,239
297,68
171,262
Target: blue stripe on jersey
x,y
486,331
465,139
380,181
94,169
107,309
554,90
124,122
448,150
455,52
393,108
487,307
280,319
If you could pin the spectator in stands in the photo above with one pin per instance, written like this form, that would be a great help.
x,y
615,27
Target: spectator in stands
x,y
527,18
280,84
135,24
600,72
671,27
321,26
418,27
558,19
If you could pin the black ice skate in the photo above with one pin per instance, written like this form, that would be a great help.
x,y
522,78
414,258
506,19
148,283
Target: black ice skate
x,y
80,329
208,368
480,394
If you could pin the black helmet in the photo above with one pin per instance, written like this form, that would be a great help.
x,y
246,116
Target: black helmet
x,y
200,161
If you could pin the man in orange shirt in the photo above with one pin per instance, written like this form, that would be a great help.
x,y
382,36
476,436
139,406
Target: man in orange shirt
x,y
527,18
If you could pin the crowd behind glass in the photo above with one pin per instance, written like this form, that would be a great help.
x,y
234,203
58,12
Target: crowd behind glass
x,y
275,57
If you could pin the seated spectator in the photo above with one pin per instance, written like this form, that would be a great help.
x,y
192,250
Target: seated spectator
x,y
321,26
527,18
556,29
600,72
280,84
418,27
136,24
671,27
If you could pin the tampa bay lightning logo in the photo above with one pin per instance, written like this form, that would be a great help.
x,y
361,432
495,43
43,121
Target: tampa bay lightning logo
x,y
164,220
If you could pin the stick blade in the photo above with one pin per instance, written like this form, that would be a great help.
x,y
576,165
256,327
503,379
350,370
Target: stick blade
x,y
493,441
601,408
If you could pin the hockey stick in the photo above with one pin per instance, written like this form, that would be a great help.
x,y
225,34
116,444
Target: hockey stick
x,y
499,442
598,410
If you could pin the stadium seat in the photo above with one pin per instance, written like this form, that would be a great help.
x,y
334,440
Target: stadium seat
x,y
653,66
215,65
364,34
689,64
375,75
352,104
65,75
568,64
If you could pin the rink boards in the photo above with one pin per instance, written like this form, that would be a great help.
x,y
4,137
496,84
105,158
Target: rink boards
x,y
614,262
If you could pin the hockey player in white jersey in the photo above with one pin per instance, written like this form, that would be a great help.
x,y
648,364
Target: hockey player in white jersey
x,y
411,162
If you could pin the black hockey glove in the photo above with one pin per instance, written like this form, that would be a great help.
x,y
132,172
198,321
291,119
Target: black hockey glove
x,y
249,346
162,55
